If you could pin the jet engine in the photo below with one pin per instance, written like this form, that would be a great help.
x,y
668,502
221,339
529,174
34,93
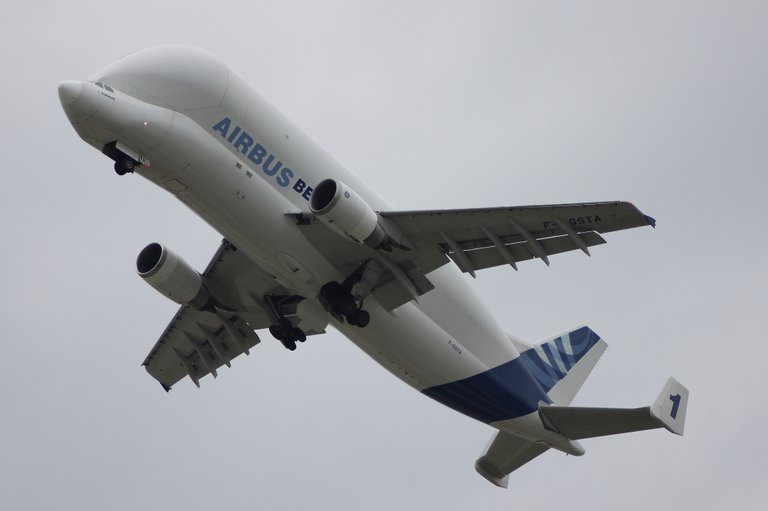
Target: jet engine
x,y
164,270
346,213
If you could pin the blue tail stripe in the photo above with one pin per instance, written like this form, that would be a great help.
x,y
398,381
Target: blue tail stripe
x,y
515,388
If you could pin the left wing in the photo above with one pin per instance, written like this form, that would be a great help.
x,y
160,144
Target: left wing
x,y
198,342
474,239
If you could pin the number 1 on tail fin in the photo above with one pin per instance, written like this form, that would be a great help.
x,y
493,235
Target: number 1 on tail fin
x,y
670,407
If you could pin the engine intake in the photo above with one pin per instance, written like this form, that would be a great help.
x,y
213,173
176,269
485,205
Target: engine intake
x,y
346,213
164,270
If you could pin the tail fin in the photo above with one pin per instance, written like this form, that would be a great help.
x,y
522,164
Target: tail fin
x,y
668,411
562,363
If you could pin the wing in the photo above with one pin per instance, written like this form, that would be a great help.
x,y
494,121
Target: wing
x,y
198,342
474,239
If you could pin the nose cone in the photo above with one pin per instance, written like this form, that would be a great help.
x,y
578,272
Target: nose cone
x,y
69,92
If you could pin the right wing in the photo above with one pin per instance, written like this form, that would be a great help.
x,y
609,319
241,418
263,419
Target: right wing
x,y
198,342
474,239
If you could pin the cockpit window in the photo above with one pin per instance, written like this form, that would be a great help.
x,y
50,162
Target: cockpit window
x,y
104,86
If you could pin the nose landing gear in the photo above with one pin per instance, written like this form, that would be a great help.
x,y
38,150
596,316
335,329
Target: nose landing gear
x,y
124,166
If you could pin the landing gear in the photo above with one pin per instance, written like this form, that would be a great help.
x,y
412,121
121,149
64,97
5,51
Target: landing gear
x,y
360,318
346,299
283,330
124,166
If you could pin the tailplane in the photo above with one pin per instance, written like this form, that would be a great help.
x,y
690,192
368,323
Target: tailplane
x,y
668,411
560,365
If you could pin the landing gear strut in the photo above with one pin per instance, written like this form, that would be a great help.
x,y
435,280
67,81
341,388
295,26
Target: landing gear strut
x,y
283,330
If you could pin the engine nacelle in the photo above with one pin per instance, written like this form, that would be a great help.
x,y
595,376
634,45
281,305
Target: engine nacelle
x,y
345,212
164,270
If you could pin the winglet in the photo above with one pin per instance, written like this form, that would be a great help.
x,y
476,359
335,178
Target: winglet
x,y
670,407
651,221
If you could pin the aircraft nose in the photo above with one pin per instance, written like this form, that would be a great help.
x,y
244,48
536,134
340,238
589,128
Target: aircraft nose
x,y
69,92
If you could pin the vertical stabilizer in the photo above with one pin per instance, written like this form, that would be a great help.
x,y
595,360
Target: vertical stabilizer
x,y
562,363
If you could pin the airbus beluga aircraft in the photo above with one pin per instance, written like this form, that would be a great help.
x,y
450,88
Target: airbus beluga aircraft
x,y
308,245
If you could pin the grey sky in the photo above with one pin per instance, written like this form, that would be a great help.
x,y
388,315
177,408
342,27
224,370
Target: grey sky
x,y
435,104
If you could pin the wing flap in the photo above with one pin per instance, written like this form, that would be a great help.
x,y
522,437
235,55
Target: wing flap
x,y
476,239
492,256
197,343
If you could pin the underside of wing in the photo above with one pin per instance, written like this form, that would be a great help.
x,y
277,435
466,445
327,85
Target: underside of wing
x,y
483,238
198,342
474,239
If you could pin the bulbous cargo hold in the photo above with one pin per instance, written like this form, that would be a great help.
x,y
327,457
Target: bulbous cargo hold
x,y
347,213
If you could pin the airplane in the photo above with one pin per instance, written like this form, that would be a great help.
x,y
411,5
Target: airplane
x,y
308,245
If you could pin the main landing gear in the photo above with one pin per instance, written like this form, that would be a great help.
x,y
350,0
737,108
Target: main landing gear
x,y
340,301
283,330
346,299
286,333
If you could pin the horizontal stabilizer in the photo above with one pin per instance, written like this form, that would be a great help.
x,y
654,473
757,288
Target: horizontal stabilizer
x,y
668,411
505,454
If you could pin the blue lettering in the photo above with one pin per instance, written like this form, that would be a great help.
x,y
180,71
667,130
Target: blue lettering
x,y
234,133
284,179
222,126
257,154
244,140
271,171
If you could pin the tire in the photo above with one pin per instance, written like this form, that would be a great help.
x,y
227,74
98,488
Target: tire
x,y
299,334
361,318
289,344
124,166
275,331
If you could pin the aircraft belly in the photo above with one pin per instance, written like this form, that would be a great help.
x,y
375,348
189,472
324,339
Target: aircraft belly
x,y
435,342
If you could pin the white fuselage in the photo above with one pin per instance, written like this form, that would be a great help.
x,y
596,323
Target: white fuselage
x,y
226,153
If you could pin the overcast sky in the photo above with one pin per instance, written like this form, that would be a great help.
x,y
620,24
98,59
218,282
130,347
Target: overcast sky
x,y
437,105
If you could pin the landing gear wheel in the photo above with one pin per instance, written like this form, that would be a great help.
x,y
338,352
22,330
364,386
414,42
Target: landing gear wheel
x,y
289,343
360,318
298,334
124,166
275,331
